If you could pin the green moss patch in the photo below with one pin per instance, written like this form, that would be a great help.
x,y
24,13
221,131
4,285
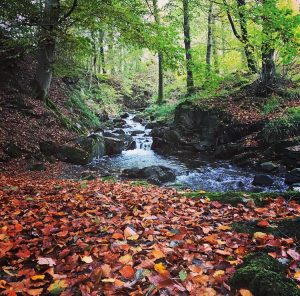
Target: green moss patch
x,y
263,276
235,198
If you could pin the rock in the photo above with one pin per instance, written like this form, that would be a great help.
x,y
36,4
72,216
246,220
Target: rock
x,y
131,146
293,177
124,115
293,152
113,146
151,125
119,132
103,116
153,174
295,187
137,118
262,180
37,167
268,166
13,150
137,132
228,150
81,152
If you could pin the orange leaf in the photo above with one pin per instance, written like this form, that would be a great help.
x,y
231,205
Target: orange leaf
x,y
161,269
157,254
18,227
244,292
127,272
263,223
125,259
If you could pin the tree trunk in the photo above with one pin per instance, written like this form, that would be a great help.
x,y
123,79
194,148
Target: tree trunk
x,y
102,52
160,97
243,38
215,47
46,50
187,45
249,50
209,39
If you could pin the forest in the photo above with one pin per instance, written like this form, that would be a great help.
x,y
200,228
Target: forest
x,y
150,147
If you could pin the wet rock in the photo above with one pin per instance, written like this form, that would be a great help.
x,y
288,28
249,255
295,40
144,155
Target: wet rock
x,y
262,180
131,146
153,174
37,167
137,132
113,146
268,166
80,152
293,152
13,150
119,132
151,125
137,118
295,187
124,115
293,177
103,116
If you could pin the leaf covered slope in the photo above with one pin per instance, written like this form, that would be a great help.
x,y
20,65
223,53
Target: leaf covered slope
x,y
61,237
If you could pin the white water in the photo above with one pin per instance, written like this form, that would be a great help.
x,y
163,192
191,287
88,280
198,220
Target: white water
x,y
197,173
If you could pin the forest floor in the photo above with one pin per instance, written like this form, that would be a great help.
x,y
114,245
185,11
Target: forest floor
x,y
80,237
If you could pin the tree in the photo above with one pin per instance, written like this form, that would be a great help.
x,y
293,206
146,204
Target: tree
x,y
48,30
243,37
160,59
187,45
209,38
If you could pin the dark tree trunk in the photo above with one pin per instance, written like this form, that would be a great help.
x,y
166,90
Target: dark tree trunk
x,y
209,39
46,50
243,38
102,52
187,45
249,50
160,60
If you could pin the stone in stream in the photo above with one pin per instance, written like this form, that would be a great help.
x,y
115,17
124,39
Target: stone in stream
x,y
137,118
262,180
124,115
113,146
293,177
268,166
154,174
137,132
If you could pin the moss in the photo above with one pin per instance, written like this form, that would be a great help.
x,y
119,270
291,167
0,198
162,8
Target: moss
x,y
235,198
263,276
283,228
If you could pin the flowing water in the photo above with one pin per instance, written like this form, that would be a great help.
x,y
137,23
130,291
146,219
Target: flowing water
x,y
195,172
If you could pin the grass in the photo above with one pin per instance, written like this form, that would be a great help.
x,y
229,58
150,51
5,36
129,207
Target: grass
x,y
283,127
271,105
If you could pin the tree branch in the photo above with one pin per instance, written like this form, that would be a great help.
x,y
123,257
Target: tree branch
x,y
75,3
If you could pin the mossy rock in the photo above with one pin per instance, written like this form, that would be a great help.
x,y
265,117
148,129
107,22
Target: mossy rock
x,y
264,276
283,228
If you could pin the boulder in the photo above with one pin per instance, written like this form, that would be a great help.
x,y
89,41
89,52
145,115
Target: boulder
x,y
262,180
137,132
293,152
113,146
153,174
293,177
119,132
137,118
13,150
80,152
268,166
37,167
124,115
151,125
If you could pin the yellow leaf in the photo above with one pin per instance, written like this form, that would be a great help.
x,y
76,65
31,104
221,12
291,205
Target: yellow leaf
x,y
87,259
218,273
244,292
110,280
38,277
125,259
224,227
161,269
157,254
57,287
35,292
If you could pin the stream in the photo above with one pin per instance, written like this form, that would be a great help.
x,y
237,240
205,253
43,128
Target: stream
x,y
195,171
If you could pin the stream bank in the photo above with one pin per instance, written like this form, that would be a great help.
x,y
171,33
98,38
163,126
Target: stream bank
x,y
197,170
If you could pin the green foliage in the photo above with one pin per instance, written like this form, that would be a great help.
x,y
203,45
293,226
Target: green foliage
x,y
286,126
163,112
271,105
